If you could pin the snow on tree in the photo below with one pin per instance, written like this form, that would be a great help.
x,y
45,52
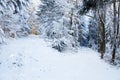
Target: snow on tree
x,y
60,23
106,14
13,18
93,34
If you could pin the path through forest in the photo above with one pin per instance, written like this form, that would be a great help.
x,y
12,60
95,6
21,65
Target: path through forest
x,y
32,58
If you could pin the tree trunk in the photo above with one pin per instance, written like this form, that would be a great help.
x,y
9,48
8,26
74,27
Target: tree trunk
x,y
101,25
114,32
113,54
118,26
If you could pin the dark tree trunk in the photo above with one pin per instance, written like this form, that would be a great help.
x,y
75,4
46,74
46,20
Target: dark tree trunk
x,y
102,43
113,54
118,26
115,32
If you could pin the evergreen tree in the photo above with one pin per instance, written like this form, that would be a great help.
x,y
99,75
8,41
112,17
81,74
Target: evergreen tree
x,y
13,17
48,12
93,34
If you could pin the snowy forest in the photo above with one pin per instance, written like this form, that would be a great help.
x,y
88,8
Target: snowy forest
x,y
66,26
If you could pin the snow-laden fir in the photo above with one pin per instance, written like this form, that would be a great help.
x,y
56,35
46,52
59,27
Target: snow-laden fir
x,y
31,58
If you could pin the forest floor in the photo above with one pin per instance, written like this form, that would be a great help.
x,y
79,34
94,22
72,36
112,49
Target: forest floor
x,y
32,58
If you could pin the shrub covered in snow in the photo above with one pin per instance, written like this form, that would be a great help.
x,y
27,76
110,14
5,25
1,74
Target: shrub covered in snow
x,y
59,45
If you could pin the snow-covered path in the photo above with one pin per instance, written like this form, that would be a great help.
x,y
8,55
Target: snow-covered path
x,y
32,59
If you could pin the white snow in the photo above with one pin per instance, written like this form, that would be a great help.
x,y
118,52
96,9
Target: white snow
x,y
32,58
34,5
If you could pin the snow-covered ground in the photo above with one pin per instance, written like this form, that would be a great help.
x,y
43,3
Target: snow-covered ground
x,y
32,58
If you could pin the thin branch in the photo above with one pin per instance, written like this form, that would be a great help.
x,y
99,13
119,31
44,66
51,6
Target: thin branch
x,y
90,16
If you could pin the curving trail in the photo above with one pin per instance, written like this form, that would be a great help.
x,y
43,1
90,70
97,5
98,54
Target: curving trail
x,y
31,58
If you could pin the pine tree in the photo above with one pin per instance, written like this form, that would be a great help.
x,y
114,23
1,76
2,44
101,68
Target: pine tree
x,y
13,18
